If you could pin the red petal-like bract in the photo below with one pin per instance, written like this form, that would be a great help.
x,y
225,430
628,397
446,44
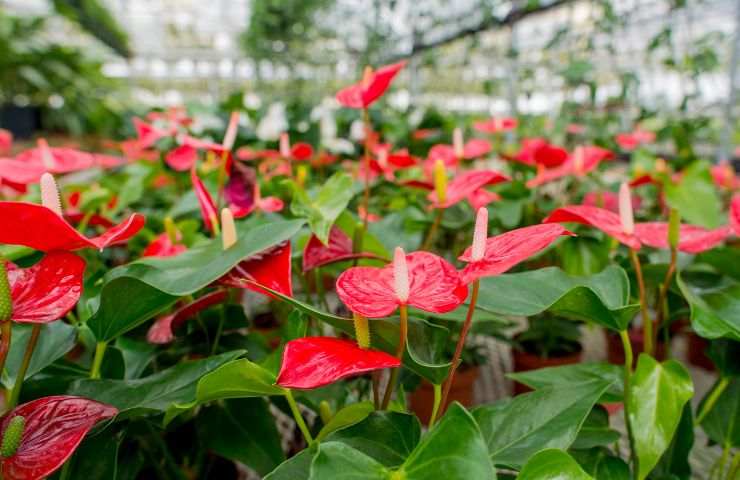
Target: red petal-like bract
x,y
207,206
58,159
606,221
631,140
477,147
362,95
313,362
37,227
465,184
162,246
537,151
54,428
608,200
590,158
692,239
434,286
495,125
316,254
181,158
22,173
481,198
48,290
6,141
162,330
735,214
301,151
270,268
508,249
240,190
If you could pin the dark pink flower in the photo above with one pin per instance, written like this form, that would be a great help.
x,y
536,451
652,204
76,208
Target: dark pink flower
x,y
372,86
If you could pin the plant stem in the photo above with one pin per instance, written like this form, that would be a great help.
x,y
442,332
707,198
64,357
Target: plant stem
x,y
298,417
663,292
27,355
376,389
366,159
647,322
432,232
219,329
98,359
221,179
5,334
627,346
437,402
461,343
320,292
402,334
707,406
64,474
732,474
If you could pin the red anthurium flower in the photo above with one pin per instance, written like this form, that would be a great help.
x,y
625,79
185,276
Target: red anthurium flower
x,y
56,159
433,285
635,138
373,86
74,215
537,151
316,254
298,152
313,362
6,141
148,134
20,172
162,330
724,176
608,200
582,161
605,220
243,193
465,184
53,428
496,125
692,239
498,254
48,290
270,268
365,215
482,197
163,246
424,133
173,115
183,157
735,214
207,205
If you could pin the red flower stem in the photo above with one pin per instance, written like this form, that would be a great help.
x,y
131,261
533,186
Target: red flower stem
x,y
98,359
460,345
402,335
366,159
432,233
5,334
298,417
647,322
627,346
30,347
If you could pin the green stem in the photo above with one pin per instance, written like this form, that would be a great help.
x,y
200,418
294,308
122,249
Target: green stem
x,y
437,402
219,329
647,322
707,406
402,334
627,346
723,460
82,226
98,359
320,292
30,347
376,389
461,342
298,417
429,240
64,474
662,305
734,467
5,334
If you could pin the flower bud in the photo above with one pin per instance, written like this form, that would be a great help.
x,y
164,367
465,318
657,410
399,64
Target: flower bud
x,y
674,228
362,330
440,180
285,145
47,158
457,142
400,275
625,209
6,299
50,194
479,235
12,436
230,136
228,229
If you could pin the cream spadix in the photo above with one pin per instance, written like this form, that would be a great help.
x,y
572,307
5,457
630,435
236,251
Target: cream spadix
x,y
400,275
50,193
479,235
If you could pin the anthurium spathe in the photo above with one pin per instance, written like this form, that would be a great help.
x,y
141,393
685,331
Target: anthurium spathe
x,y
496,125
316,254
47,434
605,220
464,185
242,192
47,290
163,329
56,159
579,163
432,284
270,268
538,151
43,228
372,86
635,138
313,362
205,201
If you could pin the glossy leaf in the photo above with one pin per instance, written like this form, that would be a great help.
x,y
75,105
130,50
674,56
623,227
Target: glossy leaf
x,y
569,375
388,437
715,305
54,428
717,424
349,415
552,464
602,298
654,422
695,196
155,393
322,209
337,460
674,463
55,340
595,431
554,417
297,467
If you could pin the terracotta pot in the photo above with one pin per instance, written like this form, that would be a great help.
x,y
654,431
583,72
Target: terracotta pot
x,y
421,401
524,361
696,351
615,352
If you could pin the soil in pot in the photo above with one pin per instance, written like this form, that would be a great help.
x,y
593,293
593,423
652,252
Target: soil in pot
x,y
615,352
523,361
421,401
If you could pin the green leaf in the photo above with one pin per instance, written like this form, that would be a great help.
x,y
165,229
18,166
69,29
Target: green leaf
x,y
568,375
155,393
715,306
55,340
298,467
97,457
552,464
236,379
554,417
595,431
674,464
601,464
602,298
726,260
695,196
454,448
388,437
584,256
323,208
337,460
136,355
722,423
658,394
242,430
347,416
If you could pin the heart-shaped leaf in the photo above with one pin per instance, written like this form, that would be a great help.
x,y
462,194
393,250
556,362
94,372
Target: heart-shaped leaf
x,y
55,340
715,305
552,464
337,460
349,415
569,375
323,208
